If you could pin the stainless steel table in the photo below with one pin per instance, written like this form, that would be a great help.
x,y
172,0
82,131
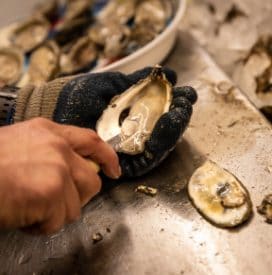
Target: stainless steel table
x,y
165,234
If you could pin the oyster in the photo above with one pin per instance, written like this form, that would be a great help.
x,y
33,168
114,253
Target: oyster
x,y
140,36
112,37
134,113
80,58
118,10
11,65
69,31
44,63
30,34
265,208
219,196
77,9
48,9
153,14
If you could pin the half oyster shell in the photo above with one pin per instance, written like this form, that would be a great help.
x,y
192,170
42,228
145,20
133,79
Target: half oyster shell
x,y
134,114
48,9
219,196
112,36
153,14
118,11
11,65
80,57
44,63
30,34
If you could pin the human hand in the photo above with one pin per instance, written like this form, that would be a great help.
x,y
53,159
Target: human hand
x,y
81,101
45,178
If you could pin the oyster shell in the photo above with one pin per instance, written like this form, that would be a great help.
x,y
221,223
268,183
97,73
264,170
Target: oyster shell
x,y
44,63
265,208
30,34
140,36
77,9
71,30
11,65
119,11
48,9
113,37
219,196
153,14
80,57
143,103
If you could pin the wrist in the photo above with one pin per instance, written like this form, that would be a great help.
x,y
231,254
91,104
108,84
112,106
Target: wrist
x,y
8,96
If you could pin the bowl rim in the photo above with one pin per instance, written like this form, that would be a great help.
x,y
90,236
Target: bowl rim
x,y
169,29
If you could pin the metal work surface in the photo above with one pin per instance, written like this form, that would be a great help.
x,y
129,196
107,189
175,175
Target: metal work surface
x,y
165,234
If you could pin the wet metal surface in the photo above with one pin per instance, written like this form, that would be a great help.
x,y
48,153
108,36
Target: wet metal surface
x,y
165,234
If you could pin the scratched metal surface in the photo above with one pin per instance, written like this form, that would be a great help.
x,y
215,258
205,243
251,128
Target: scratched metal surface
x,y
165,234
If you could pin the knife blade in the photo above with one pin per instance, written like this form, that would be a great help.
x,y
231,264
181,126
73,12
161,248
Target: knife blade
x,y
114,143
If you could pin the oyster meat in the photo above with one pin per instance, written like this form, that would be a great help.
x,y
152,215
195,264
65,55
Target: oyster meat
x,y
30,34
265,208
134,113
219,196
44,63
80,57
11,65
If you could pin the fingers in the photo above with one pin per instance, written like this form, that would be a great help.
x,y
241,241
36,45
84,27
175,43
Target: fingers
x,y
88,144
186,91
86,180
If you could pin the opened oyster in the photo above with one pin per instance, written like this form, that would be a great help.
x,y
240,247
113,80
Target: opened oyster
x,y
48,9
119,11
77,9
80,57
134,113
112,37
153,14
30,34
219,196
11,65
44,63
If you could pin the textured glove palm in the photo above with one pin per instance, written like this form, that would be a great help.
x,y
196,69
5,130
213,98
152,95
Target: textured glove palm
x,y
81,101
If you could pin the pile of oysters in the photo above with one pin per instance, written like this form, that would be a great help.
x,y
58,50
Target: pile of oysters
x,y
74,36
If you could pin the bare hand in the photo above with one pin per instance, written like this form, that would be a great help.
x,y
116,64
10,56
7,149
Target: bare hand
x,y
44,177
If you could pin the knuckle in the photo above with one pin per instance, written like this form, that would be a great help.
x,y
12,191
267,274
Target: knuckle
x,y
94,137
40,121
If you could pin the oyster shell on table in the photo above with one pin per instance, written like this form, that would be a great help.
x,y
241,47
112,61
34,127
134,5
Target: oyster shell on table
x,y
113,37
134,114
219,196
11,65
120,11
30,34
153,14
44,63
265,208
80,57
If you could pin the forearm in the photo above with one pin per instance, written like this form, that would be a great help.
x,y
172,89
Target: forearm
x,y
23,104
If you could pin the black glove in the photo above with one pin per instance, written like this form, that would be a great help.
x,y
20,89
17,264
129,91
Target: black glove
x,y
81,101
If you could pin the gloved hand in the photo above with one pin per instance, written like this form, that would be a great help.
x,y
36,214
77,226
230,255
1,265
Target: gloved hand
x,y
81,100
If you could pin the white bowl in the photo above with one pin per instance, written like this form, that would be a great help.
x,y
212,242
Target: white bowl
x,y
151,54
154,52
